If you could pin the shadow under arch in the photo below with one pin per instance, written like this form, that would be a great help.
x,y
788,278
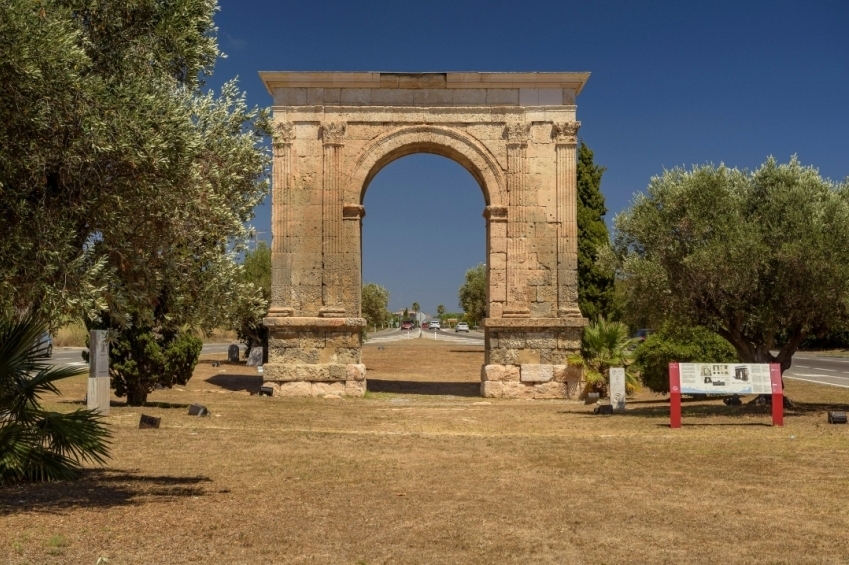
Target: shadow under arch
x,y
438,140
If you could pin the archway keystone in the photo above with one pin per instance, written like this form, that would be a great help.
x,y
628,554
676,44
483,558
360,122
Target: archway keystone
x,y
516,133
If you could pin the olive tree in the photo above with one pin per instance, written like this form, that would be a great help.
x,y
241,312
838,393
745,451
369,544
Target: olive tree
x,y
125,187
472,294
761,258
375,304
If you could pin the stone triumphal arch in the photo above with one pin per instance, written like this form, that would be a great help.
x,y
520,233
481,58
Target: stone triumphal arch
x,y
514,132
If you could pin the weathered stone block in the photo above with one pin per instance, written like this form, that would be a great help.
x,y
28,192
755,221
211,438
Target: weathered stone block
x,y
500,373
516,390
511,340
355,388
328,388
536,373
541,340
355,372
492,389
295,388
551,389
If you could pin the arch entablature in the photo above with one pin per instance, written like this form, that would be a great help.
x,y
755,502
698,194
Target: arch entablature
x,y
440,140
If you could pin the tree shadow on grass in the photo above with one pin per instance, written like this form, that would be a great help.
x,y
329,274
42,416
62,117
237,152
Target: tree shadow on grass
x,y
99,488
426,388
701,409
250,383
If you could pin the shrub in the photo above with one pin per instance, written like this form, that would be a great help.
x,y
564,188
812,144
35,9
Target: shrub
x,y
141,359
605,344
678,344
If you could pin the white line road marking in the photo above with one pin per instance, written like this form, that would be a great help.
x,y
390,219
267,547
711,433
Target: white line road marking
x,y
816,382
829,359
829,370
78,364
803,366
816,375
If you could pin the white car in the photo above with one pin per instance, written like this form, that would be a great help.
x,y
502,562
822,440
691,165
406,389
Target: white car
x,y
462,327
433,325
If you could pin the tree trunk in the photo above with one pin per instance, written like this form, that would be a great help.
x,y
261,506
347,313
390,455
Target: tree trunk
x,y
136,395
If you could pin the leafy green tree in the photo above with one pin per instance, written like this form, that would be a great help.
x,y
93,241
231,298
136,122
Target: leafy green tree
x,y
472,294
675,343
606,344
440,311
250,308
760,258
124,188
596,293
375,304
36,444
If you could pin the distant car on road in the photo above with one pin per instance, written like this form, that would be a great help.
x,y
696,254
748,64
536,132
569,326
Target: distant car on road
x,y
44,345
406,325
433,325
462,327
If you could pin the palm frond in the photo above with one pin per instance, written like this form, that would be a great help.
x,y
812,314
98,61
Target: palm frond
x,y
36,444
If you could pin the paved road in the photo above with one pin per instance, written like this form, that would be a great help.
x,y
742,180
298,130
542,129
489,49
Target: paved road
x,y
832,371
71,356
471,338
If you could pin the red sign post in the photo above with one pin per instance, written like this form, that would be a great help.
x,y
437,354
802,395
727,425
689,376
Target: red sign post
x,y
675,394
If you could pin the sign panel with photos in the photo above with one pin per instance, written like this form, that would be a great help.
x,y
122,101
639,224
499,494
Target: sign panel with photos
x,y
725,378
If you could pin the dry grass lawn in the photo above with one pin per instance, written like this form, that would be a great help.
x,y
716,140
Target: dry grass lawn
x,y
423,471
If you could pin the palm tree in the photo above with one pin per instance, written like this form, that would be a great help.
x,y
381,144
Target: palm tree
x,y
440,310
36,444
605,344
416,310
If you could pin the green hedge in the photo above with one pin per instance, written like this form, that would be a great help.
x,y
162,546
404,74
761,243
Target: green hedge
x,y
681,344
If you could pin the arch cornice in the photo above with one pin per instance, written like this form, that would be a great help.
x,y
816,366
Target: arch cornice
x,y
441,140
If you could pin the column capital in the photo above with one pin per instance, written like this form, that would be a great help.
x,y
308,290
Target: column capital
x,y
282,136
333,133
565,133
353,212
517,133
495,213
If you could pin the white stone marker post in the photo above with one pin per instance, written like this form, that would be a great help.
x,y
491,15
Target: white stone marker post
x,y
98,372
617,389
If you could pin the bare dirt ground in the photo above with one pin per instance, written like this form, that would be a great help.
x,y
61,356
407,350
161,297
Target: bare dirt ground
x,y
423,471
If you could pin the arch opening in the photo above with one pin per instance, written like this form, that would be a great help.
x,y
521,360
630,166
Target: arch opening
x,y
422,231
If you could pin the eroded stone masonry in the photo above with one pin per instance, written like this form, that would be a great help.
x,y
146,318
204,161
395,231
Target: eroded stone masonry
x,y
516,133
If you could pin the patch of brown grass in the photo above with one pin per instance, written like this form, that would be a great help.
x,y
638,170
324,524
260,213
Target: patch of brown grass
x,y
435,478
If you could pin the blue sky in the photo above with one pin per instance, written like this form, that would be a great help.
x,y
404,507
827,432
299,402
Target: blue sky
x,y
673,83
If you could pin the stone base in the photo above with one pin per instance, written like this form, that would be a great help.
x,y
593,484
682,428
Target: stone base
x,y
530,381
318,389
315,356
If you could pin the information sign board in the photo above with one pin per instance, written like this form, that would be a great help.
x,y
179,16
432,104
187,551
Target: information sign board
x,y
725,378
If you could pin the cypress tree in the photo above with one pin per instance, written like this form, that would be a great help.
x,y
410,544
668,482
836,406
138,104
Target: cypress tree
x,y
595,285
